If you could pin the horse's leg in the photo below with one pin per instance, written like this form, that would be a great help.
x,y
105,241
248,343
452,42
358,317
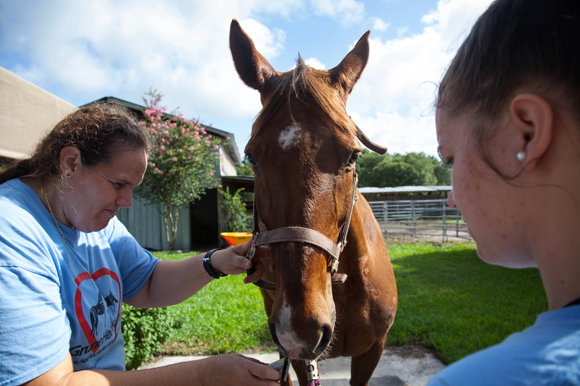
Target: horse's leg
x,y
363,365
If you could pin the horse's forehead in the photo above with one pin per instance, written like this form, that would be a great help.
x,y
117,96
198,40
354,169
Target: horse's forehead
x,y
308,133
290,136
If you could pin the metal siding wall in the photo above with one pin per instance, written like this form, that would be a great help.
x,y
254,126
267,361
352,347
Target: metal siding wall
x,y
146,224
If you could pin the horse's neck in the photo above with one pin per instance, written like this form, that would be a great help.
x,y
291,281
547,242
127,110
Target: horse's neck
x,y
364,239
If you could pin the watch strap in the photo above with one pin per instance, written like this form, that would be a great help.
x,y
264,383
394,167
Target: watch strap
x,y
209,268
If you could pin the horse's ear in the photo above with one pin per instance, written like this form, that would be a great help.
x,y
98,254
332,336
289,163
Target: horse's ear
x,y
350,69
252,67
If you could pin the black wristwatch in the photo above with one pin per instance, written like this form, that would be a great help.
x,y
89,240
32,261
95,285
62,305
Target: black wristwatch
x,y
207,265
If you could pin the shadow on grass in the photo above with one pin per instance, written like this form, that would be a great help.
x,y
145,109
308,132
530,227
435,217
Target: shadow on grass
x,y
452,302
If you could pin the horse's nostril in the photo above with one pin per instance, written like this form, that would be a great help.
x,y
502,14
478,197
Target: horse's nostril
x,y
325,340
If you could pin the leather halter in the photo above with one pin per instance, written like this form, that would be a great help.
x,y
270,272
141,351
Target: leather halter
x,y
307,235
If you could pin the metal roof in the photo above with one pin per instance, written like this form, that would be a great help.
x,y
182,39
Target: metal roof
x,y
406,189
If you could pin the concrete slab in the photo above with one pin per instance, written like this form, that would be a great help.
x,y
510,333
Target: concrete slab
x,y
412,365
382,381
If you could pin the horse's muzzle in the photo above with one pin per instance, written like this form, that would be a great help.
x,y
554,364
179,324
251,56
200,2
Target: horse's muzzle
x,y
294,348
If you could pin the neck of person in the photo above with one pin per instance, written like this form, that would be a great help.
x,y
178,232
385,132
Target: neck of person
x,y
559,266
555,239
50,195
554,218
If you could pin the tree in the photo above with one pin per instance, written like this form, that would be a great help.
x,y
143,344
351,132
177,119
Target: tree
x,y
236,218
245,169
181,164
443,174
411,169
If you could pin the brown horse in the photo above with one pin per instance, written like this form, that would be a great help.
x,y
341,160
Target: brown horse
x,y
303,151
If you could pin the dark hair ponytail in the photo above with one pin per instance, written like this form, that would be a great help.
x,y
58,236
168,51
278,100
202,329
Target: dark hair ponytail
x,y
516,44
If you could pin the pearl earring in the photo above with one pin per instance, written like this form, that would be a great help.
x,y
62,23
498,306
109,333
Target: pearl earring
x,y
521,156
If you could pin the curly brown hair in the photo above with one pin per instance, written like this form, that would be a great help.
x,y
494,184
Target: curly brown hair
x,y
98,131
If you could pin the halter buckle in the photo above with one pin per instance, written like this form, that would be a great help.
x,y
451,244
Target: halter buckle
x,y
334,266
251,253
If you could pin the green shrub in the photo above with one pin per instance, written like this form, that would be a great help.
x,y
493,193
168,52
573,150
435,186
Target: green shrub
x,y
144,331
236,218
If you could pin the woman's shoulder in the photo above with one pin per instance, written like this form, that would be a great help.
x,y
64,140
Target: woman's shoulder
x,y
9,188
24,241
543,354
20,207
15,195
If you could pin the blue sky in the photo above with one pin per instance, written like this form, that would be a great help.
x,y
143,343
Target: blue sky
x,y
84,50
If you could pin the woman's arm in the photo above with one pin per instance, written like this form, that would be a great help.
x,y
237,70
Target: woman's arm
x,y
175,281
217,370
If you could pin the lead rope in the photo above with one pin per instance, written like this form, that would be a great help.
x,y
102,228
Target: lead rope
x,y
312,372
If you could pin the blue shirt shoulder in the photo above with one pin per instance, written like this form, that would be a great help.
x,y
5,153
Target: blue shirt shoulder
x,y
547,353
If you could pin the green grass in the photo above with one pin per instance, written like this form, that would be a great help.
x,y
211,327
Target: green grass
x,y
226,316
449,300
453,302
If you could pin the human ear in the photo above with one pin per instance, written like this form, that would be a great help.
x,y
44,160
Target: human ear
x,y
533,118
70,159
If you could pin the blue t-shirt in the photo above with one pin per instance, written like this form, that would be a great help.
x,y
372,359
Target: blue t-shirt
x,y
547,353
58,297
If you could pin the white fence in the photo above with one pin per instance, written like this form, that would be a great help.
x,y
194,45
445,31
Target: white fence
x,y
430,218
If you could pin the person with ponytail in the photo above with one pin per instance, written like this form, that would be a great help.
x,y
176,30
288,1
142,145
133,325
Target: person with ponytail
x,y
67,263
508,121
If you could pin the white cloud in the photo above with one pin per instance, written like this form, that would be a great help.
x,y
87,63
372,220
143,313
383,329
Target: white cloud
x,y
380,25
346,11
398,133
113,48
393,99
401,31
315,63
268,43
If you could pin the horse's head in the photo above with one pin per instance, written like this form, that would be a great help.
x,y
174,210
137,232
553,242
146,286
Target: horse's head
x,y
303,151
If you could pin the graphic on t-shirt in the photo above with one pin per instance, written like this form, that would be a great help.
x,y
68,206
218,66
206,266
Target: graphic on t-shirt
x,y
102,311
110,300
96,310
99,309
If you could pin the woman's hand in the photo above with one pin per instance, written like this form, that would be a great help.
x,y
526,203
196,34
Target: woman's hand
x,y
235,369
233,261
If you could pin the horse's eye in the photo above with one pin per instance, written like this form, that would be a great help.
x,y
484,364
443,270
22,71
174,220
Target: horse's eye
x,y
251,160
353,158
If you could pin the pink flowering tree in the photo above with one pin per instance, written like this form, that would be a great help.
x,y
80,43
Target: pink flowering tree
x,y
182,163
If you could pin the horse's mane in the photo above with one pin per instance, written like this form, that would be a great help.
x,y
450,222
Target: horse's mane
x,y
307,85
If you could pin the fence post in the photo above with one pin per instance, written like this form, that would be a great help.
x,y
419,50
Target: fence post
x,y
457,223
414,217
444,223
386,211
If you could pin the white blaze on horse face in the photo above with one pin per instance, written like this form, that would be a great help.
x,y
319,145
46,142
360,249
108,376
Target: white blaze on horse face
x,y
286,336
289,136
